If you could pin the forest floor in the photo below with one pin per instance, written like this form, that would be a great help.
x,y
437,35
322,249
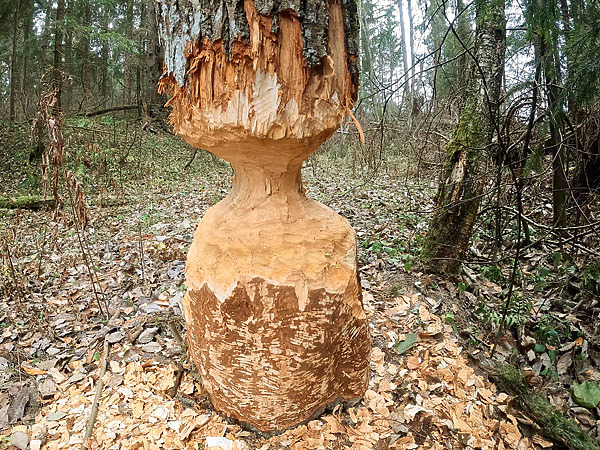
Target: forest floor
x,y
426,389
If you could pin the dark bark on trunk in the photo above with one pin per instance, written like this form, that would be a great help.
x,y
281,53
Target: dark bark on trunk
x,y
128,71
104,61
68,68
25,75
226,20
13,61
84,52
437,30
58,52
46,37
154,56
554,146
463,180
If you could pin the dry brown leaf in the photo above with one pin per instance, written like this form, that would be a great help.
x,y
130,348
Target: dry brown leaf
x,y
29,370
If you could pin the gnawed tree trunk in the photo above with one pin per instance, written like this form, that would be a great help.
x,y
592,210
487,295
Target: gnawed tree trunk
x,y
275,320
463,181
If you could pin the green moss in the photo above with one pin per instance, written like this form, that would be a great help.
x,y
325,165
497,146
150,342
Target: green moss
x,y
25,201
553,424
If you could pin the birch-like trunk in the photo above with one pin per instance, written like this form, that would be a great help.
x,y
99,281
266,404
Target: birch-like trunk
x,y
464,179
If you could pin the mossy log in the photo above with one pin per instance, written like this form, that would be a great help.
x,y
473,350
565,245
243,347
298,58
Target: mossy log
x,y
26,202
553,424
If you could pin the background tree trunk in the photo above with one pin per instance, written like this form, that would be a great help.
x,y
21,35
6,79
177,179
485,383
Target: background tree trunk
x,y
58,52
411,35
407,72
84,53
463,179
46,37
26,79
128,70
13,61
104,60
154,56
68,65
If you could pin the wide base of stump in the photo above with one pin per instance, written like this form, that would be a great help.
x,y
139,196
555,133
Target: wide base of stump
x,y
268,364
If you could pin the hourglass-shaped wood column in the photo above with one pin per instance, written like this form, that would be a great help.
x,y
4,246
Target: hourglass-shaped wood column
x,y
273,308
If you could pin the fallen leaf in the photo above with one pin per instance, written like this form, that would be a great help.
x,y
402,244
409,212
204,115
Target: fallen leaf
x,y
20,440
56,416
586,394
403,346
33,370
564,362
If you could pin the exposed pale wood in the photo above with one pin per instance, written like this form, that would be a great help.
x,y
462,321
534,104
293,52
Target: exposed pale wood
x,y
273,308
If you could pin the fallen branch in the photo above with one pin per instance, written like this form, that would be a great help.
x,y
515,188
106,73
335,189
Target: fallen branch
x,y
26,202
113,109
180,369
553,424
99,385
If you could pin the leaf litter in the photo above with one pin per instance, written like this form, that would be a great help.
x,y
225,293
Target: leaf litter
x,y
422,393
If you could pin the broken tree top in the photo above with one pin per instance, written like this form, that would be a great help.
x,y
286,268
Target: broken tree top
x,y
266,69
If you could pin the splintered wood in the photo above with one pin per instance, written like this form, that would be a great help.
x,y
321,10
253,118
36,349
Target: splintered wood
x,y
264,88
428,397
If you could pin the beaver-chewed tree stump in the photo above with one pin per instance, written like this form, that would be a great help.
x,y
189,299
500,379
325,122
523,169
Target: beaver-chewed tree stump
x,y
273,308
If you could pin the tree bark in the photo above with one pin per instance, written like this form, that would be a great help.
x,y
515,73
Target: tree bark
x,y
154,57
411,34
84,52
407,72
25,75
128,71
58,52
13,61
463,181
46,36
68,67
367,69
104,60
275,321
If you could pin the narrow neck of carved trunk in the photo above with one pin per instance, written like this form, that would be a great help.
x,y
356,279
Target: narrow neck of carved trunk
x,y
253,184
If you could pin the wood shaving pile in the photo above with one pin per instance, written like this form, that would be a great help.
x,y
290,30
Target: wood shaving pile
x,y
427,397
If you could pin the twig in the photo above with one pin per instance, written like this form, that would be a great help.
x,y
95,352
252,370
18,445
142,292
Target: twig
x,y
513,273
94,413
79,230
189,163
141,244
180,369
12,271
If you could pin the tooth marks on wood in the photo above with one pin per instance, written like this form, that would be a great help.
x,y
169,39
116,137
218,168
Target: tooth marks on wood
x,y
304,360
